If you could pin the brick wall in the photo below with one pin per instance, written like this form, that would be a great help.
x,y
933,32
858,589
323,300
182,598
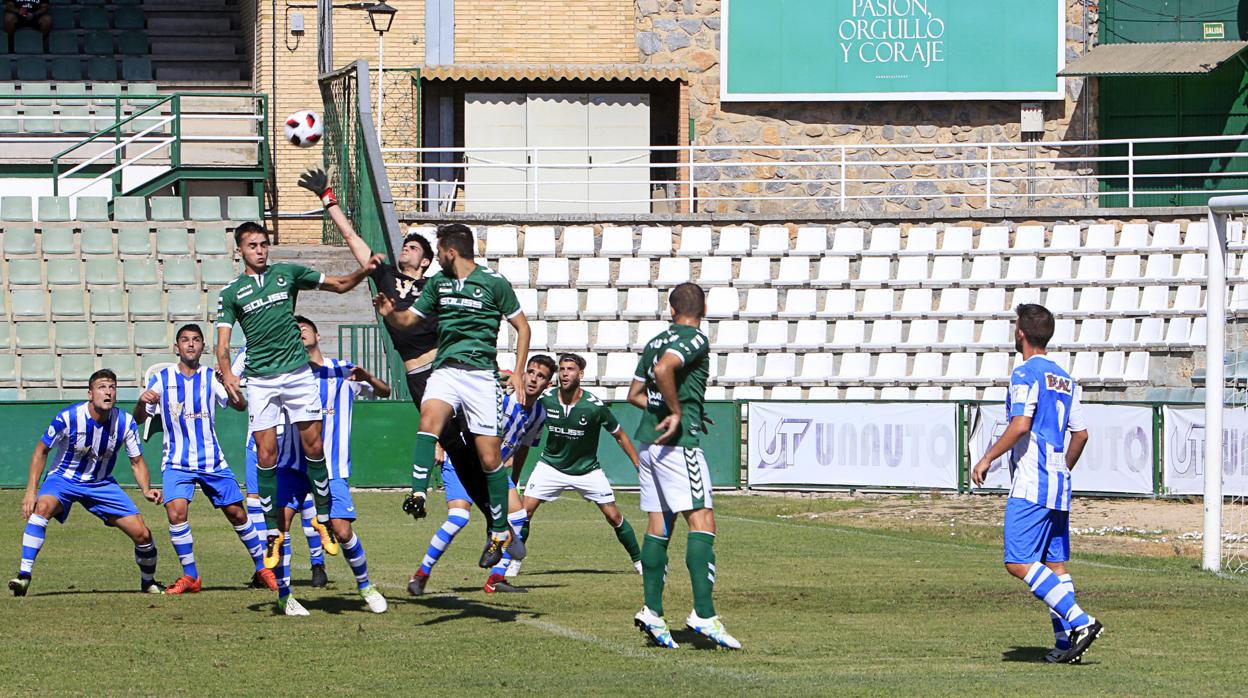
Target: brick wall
x,y
545,31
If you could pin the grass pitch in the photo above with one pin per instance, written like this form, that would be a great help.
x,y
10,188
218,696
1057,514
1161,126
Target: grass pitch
x,y
822,609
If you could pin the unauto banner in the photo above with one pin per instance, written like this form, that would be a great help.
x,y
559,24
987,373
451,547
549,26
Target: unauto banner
x,y
853,444
843,50
1184,459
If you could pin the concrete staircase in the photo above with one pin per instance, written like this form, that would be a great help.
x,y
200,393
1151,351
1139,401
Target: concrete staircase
x,y
329,310
196,41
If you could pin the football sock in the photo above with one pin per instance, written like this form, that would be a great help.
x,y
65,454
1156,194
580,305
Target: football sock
x,y
700,559
251,540
255,512
283,571
266,482
455,520
307,513
1061,629
183,547
624,534
1056,595
422,460
517,520
354,552
32,541
145,557
524,531
318,476
499,484
654,570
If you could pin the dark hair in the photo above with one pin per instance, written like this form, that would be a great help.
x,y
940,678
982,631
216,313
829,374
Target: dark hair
x,y
248,227
103,373
545,362
688,299
301,320
574,358
458,237
189,327
1036,323
426,250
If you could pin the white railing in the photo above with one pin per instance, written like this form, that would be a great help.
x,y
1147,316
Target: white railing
x,y
845,178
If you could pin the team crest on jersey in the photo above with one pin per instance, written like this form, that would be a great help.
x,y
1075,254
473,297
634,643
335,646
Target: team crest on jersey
x,y
281,281
1059,384
584,421
476,293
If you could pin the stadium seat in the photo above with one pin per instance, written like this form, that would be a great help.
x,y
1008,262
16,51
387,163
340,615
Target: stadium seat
x,y
715,271
734,241
1101,236
109,335
528,301
1165,236
140,272
810,335
793,271
30,69
571,335
186,303
98,43
874,272
1092,269
833,272
590,271
167,208
205,208
134,208
57,241
739,367
920,241
778,367
61,272
1056,270
562,304
217,271
617,242
144,302
53,209
911,271
1066,238
957,239
121,364
103,272
38,368
721,302
769,335
19,240
133,43
730,335
633,272
501,241
823,392
69,302
1021,269
993,239
847,241
63,43
539,335
812,241
1134,237
855,366
786,392
620,369
799,303
694,242
171,242
99,241
91,208
28,41
656,241
129,18
890,367
748,392
921,334
578,241
612,335
885,240
15,208
101,70
539,241
673,271
211,240
180,272
243,208
640,303
1029,238
515,270
773,241
33,335
76,369
754,271
152,335
885,334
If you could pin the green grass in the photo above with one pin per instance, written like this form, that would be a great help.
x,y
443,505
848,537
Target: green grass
x,y
822,609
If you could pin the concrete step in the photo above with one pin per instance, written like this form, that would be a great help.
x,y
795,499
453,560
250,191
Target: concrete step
x,y
206,72
193,47
220,154
185,26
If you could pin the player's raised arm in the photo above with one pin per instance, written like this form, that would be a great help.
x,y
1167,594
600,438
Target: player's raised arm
x,y
37,461
317,181
343,284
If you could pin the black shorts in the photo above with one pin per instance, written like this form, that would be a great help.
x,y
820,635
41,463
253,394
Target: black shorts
x,y
460,445
416,385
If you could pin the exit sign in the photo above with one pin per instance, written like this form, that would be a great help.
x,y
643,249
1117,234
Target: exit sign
x,y
1214,31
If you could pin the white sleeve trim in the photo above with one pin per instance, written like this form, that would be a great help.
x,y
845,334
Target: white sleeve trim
x,y
226,324
518,311
321,282
419,314
678,355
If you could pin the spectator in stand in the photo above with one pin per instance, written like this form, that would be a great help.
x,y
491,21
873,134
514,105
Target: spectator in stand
x,y
21,14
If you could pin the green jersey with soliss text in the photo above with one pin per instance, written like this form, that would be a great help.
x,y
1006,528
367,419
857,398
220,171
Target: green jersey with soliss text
x,y
264,306
469,311
572,432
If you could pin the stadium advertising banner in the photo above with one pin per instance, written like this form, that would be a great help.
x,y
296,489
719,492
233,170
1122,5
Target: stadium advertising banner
x,y
1184,461
853,444
874,50
1118,457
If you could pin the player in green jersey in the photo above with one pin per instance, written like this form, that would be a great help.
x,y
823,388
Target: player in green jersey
x,y
669,386
470,301
570,458
279,378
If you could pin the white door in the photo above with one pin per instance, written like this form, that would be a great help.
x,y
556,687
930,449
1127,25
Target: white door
x,y
619,179
559,122
496,120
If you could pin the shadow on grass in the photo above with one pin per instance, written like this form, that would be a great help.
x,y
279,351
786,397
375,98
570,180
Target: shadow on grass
x,y
130,590
461,608
578,571
478,590
688,638
1025,654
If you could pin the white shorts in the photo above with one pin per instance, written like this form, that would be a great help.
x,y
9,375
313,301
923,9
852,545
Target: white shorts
x,y
546,482
474,391
297,392
673,479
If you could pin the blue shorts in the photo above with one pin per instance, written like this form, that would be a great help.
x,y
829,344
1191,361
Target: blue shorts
x,y
249,474
454,488
293,487
105,498
221,487
1034,533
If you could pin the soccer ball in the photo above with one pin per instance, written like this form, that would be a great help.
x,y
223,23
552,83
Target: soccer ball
x,y
303,128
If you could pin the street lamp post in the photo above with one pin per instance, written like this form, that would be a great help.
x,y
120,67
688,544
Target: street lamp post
x,y
380,15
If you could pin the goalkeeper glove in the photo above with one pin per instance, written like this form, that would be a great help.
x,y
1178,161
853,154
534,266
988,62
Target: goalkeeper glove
x,y
316,181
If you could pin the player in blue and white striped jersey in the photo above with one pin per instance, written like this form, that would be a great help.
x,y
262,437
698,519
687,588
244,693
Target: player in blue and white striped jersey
x,y
1043,407
185,398
84,441
523,419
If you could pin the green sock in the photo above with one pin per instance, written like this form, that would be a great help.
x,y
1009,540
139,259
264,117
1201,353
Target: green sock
x,y
422,461
700,558
499,484
266,483
318,476
624,534
524,531
654,571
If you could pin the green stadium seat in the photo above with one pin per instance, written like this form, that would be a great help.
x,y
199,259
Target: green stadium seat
x,y
110,335
31,69
8,368
218,271
63,43
38,368
65,89
107,303
75,120
142,89
15,208
185,303
6,332
8,94
42,394
33,91
167,208
68,302
25,272
58,241
98,43
103,272
8,120
92,208
63,272
129,18
152,335
34,335
135,241
6,68
205,208
211,240
62,19
136,70
92,2
19,240
145,301
244,208
214,300
30,304
129,208
133,43
146,361
101,69
54,208
28,41
66,69
172,241
76,369
98,241
93,18
180,272
38,120
73,335
140,272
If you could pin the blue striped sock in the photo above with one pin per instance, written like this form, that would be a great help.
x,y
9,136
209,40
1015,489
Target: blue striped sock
x,y
1061,629
1049,589
456,519
308,515
145,558
517,520
354,552
283,571
251,540
32,542
255,512
183,546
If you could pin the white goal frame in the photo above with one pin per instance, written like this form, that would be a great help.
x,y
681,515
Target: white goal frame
x,y
1221,208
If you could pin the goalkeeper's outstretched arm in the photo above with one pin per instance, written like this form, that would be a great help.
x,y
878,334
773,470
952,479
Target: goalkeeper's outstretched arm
x,y
316,181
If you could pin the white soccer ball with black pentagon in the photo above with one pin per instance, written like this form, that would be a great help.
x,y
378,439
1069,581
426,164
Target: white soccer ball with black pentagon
x,y
304,129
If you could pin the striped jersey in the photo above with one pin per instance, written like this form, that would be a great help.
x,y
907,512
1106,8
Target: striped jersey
x,y
188,410
338,394
86,450
1044,391
520,426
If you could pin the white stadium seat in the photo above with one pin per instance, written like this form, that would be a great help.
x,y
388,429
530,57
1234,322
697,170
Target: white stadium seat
x,y
885,334
995,367
1126,268
553,272
731,335
889,368
694,242
673,271
954,302
921,334
562,304
993,239
715,271
854,366
634,271
754,271
571,335
773,241
528,301
1160,267
603,303
812,241
778,368
1029,237
591,271
985,270
928,367
1056,270
799,303
874,272
1101,237
716,392
739,367
848,334
786,392
859,393
920,240
656,241
761,303
734,241
1165,235
617,241
1021,269
642,303
793,271
748,392
1092,269
578,241
833,272
885,240
847,241
823,392
539,335
959,334
769,335
539,241
515,270
946,271
501,241
911,271
1134,236
816,369
613,335
957,239
721,302
810,335
929,392
1067,238
648,330
620,368
894,393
